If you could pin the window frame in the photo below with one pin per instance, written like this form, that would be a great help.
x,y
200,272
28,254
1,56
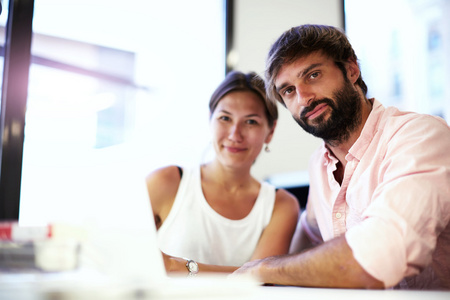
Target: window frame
x,y
17,59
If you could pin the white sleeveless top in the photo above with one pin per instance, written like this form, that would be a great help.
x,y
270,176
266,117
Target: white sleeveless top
x,y
194,230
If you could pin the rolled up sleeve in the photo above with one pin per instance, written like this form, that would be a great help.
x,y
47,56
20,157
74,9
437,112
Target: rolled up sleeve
x,y
409,208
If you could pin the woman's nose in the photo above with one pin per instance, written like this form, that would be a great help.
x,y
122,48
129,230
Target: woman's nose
x,y
235,133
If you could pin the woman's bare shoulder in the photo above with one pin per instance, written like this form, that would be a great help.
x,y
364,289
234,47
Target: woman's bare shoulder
x,y
287,201
162,184
163,174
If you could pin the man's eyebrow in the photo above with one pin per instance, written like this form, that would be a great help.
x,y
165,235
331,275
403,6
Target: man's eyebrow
x,y
278,89
307,70
300,74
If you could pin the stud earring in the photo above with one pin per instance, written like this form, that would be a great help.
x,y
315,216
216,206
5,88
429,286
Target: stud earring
x,y
267,149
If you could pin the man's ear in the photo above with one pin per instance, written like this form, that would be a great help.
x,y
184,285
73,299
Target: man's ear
x,y
353,71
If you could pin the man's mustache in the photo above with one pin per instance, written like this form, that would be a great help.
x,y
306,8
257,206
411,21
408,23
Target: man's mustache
x,y
314,104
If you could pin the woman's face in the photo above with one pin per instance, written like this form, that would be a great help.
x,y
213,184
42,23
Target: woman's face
x,y
239,128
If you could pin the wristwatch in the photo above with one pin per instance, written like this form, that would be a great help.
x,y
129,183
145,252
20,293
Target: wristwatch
x,y
192,267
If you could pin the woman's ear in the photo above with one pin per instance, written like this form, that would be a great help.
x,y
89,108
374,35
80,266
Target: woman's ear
x,y
270,135
353,71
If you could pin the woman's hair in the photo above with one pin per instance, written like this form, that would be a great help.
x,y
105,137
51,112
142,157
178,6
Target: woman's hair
x,y
238,81
300,42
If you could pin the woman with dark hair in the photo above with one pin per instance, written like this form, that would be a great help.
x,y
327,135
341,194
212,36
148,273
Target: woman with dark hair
x,y
217,216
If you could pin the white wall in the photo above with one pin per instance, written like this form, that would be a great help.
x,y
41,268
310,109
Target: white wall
x,y
258,23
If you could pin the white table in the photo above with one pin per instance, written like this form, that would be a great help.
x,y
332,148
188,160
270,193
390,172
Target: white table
x,y
31,287
288,293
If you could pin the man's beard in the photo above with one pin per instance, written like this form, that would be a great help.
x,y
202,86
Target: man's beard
x,y
344,118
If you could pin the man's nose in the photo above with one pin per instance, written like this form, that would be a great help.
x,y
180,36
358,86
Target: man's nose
x,y
304,95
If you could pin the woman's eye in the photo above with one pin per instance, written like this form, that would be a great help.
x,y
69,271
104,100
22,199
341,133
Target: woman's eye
x,y
224,118
252,122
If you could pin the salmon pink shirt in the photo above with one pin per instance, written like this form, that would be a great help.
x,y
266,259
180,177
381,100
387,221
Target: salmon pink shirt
x,y
393,205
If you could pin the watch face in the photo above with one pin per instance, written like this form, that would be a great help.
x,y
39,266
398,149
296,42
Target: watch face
x,y
192,266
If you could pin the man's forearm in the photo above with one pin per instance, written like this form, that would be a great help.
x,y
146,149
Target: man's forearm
x,y
329,265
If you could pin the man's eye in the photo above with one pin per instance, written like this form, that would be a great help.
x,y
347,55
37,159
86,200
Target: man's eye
x,y
314,75
287,91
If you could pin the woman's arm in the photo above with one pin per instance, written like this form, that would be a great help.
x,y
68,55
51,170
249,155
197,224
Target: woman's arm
x,y
162,186
304,239
177,265
276,237
300,240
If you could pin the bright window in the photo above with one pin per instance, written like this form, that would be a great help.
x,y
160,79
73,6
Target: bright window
x,y
116,87
404,51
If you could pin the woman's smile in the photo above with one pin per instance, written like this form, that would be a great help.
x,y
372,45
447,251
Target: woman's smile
x,y
234,149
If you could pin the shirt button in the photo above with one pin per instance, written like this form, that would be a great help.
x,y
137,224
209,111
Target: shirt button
x,y
338,215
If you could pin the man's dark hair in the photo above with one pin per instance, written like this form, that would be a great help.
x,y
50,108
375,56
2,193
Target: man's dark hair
x,y
300,42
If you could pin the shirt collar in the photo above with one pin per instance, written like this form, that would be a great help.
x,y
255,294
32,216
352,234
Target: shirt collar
x,y
369,130
328,156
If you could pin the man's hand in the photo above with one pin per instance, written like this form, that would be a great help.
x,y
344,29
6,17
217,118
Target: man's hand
x,y
329,265
251,268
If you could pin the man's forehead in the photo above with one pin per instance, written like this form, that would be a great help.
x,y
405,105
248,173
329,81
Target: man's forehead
x,y
300,63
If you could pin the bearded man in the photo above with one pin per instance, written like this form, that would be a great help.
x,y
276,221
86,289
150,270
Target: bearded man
x,y
378,207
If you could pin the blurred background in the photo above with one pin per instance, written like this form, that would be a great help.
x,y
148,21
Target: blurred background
x,y
119,88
